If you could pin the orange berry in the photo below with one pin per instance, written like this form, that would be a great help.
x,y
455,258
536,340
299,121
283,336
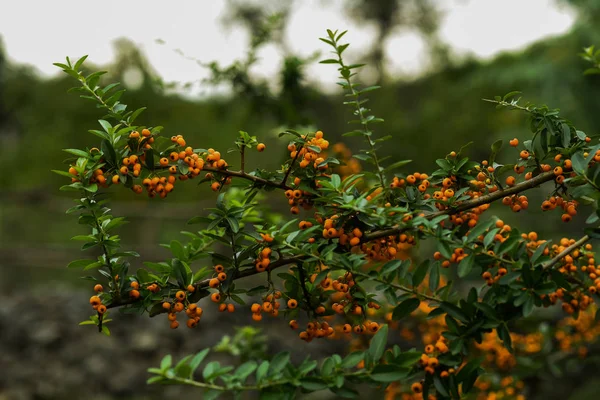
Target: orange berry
x,y
166,305
261,147
101,309
257,317
191,288
174,325
216,297
134,294
256,308
558,171
417,387
514,142
180,295
98,288
191,323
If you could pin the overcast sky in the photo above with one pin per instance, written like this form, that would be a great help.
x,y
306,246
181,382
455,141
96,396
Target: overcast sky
x,y
41,32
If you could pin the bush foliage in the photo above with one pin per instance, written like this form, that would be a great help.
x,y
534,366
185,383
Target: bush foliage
x,y
345,264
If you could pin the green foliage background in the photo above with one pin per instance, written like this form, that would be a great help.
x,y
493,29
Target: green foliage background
x,y
427,117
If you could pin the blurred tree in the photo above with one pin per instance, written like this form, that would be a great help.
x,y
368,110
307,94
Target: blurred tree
x,y
132,68
265,23
588,11
3,66
389,15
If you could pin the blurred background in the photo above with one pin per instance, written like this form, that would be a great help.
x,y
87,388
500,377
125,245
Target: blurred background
x,y
207,70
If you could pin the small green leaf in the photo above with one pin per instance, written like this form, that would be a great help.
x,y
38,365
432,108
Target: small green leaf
x,y
352,359
420,272
80,263
466,265
378,343
389,373
279,362
405,308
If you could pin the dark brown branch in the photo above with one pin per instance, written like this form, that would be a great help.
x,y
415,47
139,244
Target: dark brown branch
x,y
470,204
205,283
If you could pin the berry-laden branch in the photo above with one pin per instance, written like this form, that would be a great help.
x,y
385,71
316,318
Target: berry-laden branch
x,y
565,252
353,237
470,204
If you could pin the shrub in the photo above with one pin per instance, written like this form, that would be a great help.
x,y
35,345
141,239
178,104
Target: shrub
x,y
347,265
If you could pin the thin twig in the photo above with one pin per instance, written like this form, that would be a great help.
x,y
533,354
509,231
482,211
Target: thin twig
x,y
565,252
287,173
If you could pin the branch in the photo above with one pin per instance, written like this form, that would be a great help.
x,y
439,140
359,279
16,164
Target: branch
x,y
467,205
205,283
241,174
287,173
565,252
398,287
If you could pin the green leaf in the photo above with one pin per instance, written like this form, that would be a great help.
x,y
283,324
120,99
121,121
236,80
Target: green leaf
x,y
579,164
177,249
454,311
105,125
395,165
244,370
420,272
211,394
480,229
352,359
539,251
405,308
77,152
149,160
496,146
261,371
510,94
80,263
279,362
109,153
434,276
378,343
233,224
439,386
166,362
504,335
180,272
197,360
466,265
313,384
335,181
389,373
